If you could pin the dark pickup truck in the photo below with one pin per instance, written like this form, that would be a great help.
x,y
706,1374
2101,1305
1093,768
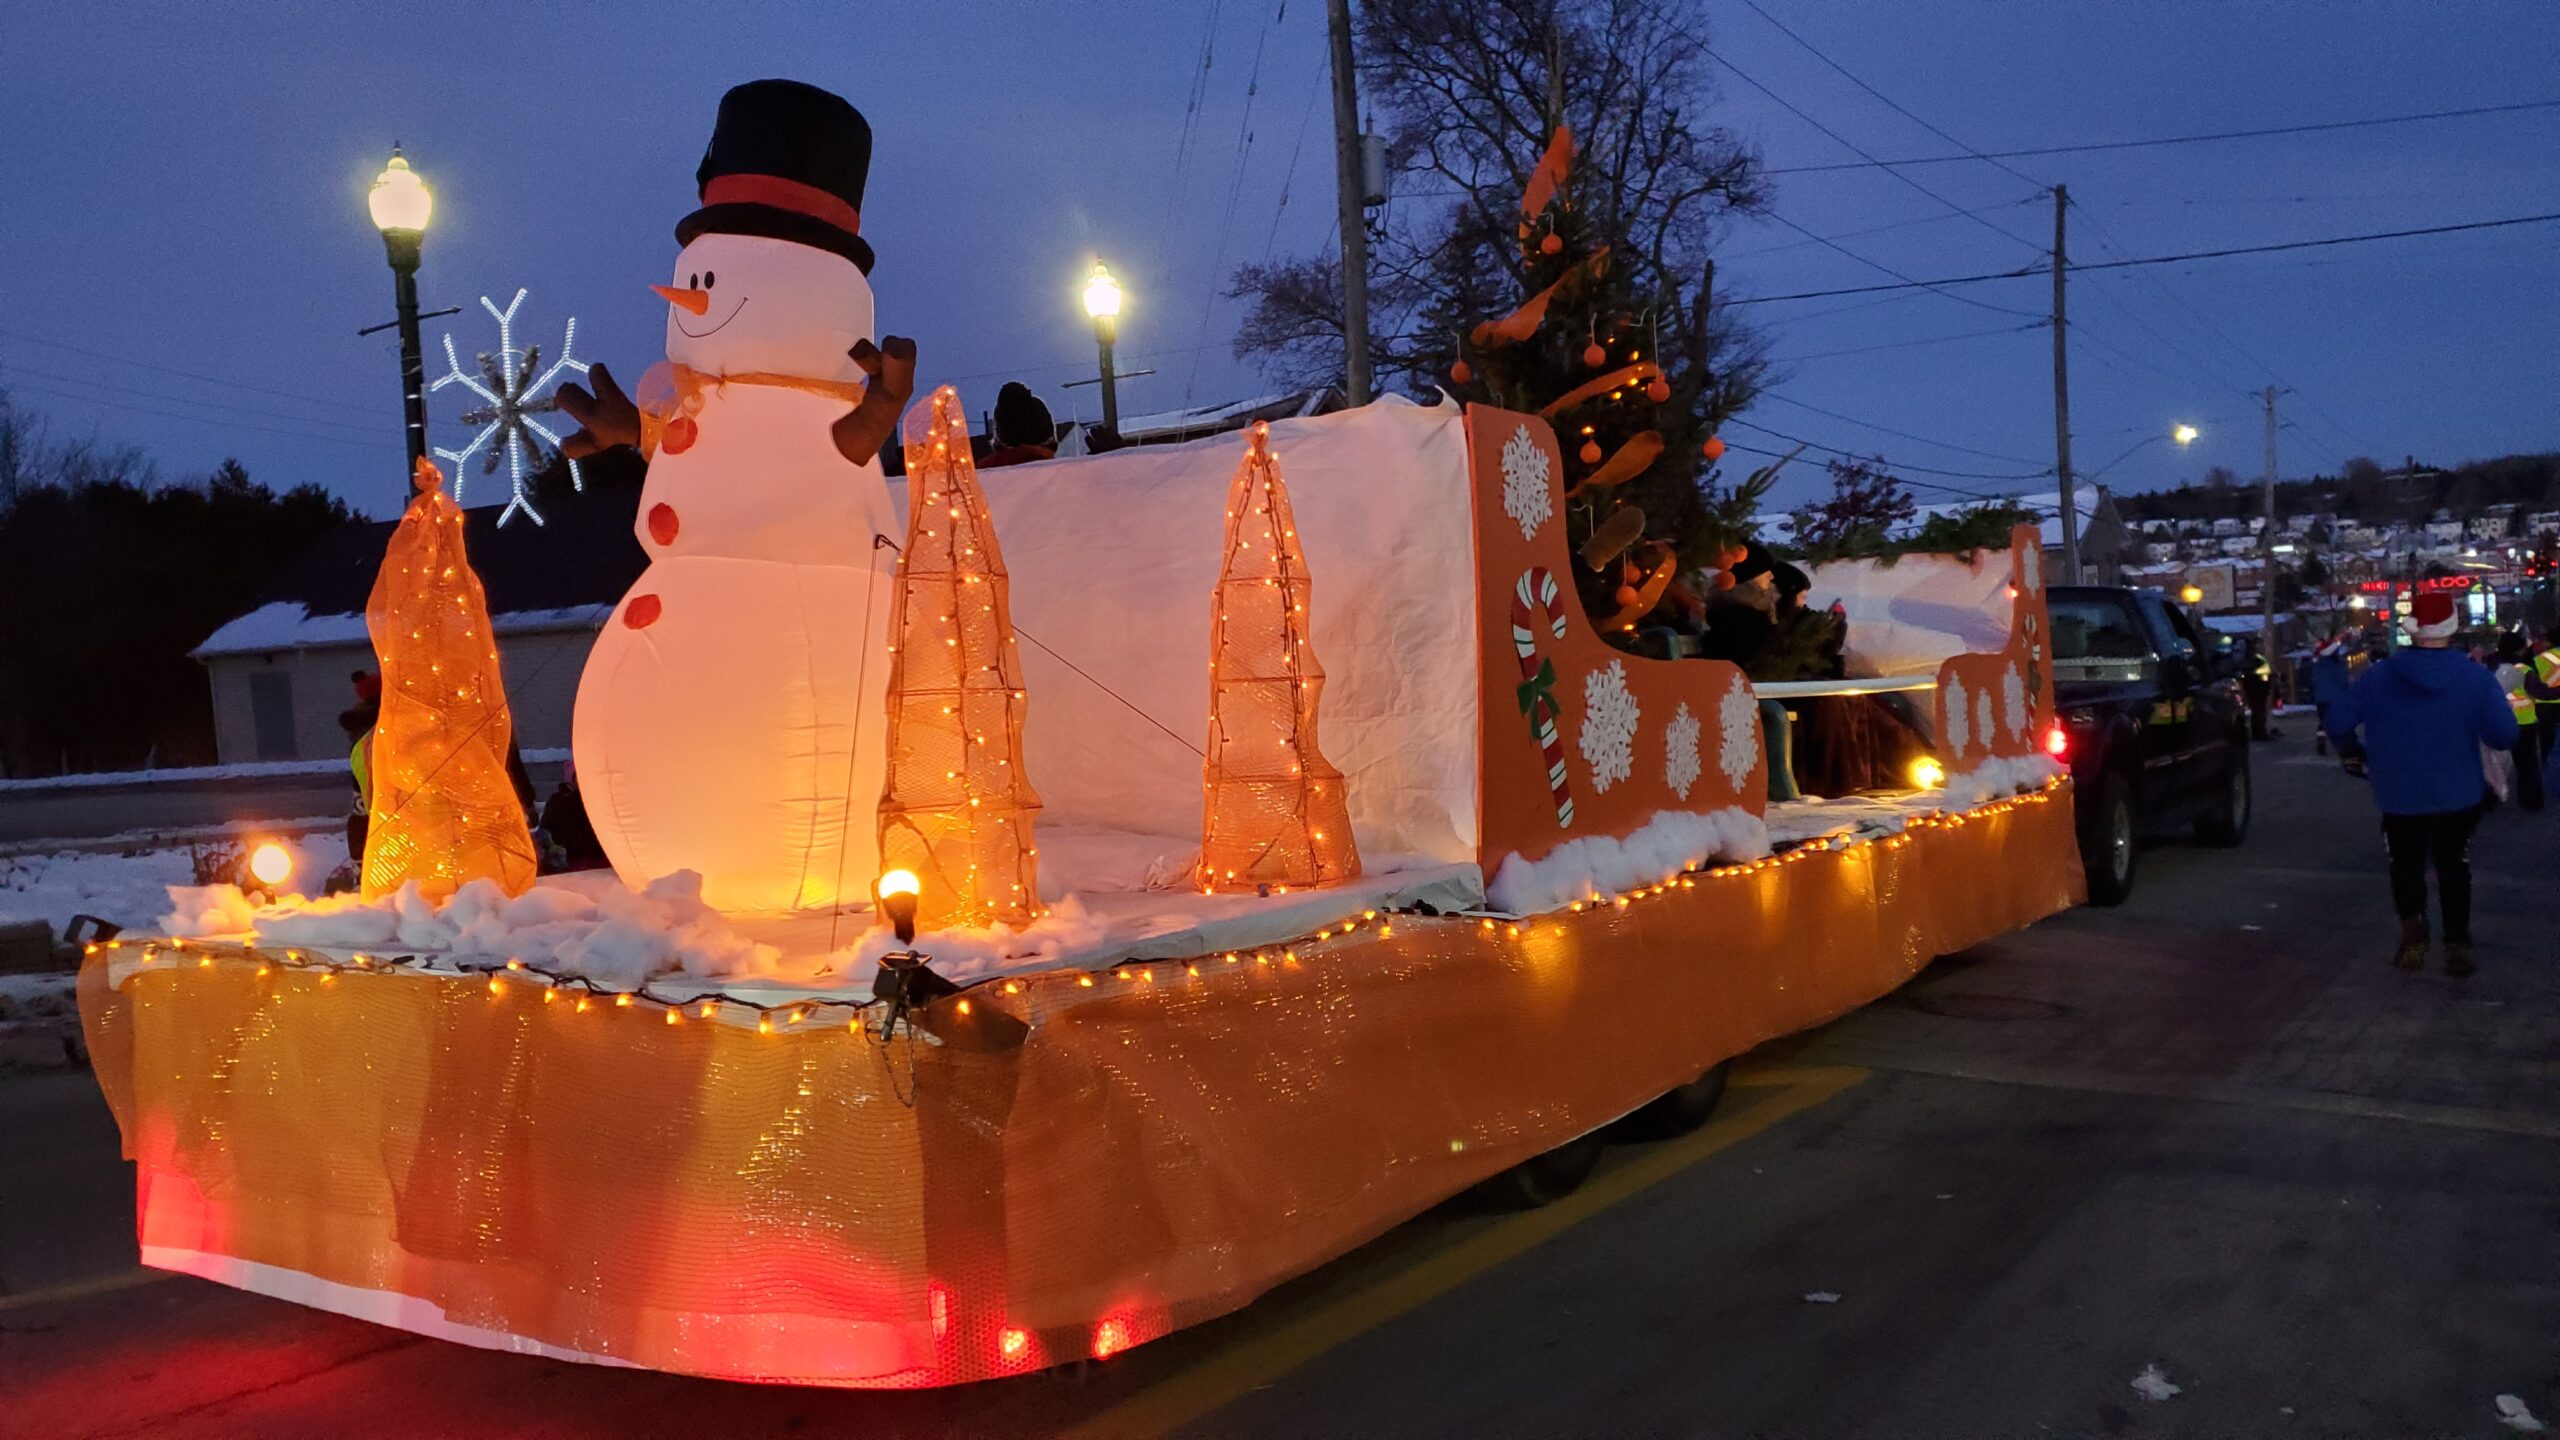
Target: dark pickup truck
x,y
2153,727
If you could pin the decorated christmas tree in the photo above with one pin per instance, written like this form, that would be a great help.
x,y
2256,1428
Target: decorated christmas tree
x,y
957,809
1274,810
1626,384
445,811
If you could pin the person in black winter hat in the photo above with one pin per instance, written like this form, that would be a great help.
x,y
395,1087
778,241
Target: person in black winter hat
x,y
1024,430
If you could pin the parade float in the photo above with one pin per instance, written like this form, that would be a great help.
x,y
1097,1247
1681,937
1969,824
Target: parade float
x,y
1050,907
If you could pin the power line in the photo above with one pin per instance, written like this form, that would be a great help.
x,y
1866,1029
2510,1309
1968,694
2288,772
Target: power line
x,y
1889,430
2093,146
205,419
165,397
1889,100
1906,344
188,374
1890,464
1862,152
1920,484
1907,282
2026,271
1880,229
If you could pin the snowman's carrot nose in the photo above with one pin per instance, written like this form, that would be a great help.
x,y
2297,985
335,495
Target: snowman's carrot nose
x,y
697,301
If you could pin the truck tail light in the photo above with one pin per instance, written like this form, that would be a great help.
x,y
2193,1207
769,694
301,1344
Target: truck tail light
x,y
2057,741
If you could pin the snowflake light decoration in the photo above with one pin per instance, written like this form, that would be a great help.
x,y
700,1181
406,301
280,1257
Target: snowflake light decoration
x,y
1959,716
2013,701
1680,763
508,381
1608,739
1982,722
1526,472
1738,717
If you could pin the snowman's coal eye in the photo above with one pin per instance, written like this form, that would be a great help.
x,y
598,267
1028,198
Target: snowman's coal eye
x,y
707,278
693,282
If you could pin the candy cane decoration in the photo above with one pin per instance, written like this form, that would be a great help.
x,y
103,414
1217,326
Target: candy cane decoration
x,y
1537,591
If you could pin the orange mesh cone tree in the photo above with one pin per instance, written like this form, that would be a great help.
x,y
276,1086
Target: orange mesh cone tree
x,y
444,810
1274,812
957,809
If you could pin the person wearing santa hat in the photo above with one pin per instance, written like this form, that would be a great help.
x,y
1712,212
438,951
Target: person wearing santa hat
x,y
2415,725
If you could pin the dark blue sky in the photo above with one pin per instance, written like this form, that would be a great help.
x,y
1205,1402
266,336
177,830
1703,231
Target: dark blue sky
x,y
185,190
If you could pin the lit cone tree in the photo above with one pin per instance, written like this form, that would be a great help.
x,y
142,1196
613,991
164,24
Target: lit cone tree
x,y
957,808
1632,399
445,811
1274,811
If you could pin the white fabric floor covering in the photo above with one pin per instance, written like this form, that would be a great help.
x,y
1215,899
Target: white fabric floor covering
x,y
1855,817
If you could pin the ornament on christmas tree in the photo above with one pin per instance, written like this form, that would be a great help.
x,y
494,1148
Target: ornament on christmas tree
x,y
1659,391
513,393
957,809
445,811
1274,812
1630,461
1594,356
1590,452
1714,447
1553,244
1462,372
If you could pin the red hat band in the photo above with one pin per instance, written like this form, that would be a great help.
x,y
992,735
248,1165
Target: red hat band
x,y
782,194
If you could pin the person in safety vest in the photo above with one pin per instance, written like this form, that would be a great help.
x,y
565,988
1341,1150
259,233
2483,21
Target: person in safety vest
x,y
2542,682
358,721
2257,685
2415,724
2512,672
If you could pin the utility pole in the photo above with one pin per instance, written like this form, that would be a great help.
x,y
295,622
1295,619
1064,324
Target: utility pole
x,y
2062,402
1355,223
2267,546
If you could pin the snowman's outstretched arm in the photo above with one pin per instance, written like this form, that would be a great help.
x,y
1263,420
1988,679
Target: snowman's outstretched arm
x,y
891,366
605,419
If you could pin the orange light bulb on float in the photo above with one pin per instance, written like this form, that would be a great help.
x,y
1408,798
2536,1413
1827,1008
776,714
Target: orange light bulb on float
x,y
898,890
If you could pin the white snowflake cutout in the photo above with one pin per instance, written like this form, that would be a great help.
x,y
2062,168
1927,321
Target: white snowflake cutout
x,y
1609,718
2013,701
1738,716
1526,491
1680,762
1982,721
2031,569
1959,717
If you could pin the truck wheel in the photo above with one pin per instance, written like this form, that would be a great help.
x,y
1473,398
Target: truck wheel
x,y
1545,1179
2106,847
2228,823
1677,1112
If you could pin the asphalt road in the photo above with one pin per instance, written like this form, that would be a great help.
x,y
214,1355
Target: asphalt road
x,y
2211,1132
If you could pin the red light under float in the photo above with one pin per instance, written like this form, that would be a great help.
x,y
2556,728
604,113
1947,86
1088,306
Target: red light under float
x,y
2057,741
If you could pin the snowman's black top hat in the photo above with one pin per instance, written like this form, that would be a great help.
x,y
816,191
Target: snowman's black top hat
x,y
789,161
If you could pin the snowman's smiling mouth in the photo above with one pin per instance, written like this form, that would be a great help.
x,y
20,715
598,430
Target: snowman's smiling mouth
x,y
716,329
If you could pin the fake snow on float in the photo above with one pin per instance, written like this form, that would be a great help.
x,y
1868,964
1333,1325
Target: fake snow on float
x,y
2517,1416
1135,903
1998,778
1597,865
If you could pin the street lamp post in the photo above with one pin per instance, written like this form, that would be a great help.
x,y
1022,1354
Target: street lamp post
x,y
401,202
1102,302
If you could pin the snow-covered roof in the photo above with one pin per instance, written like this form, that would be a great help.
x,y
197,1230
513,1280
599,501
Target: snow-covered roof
x,y
287,625
1210,419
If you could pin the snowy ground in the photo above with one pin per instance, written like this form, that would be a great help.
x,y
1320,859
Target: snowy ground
x,y
130,888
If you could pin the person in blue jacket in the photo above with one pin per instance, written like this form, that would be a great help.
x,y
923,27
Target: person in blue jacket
x,y
2424,715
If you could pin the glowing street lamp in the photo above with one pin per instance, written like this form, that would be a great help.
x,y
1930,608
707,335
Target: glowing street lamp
x,y
2182,433
401,202
1102,302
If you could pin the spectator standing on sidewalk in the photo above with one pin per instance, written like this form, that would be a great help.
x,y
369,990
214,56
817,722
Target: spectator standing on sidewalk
x,y
2416,724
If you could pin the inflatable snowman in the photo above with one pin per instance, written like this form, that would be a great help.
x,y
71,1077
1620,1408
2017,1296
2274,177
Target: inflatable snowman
x,y
730,721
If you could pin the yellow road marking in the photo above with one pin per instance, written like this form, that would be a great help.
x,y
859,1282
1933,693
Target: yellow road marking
x,y
82,1289
1229,1373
